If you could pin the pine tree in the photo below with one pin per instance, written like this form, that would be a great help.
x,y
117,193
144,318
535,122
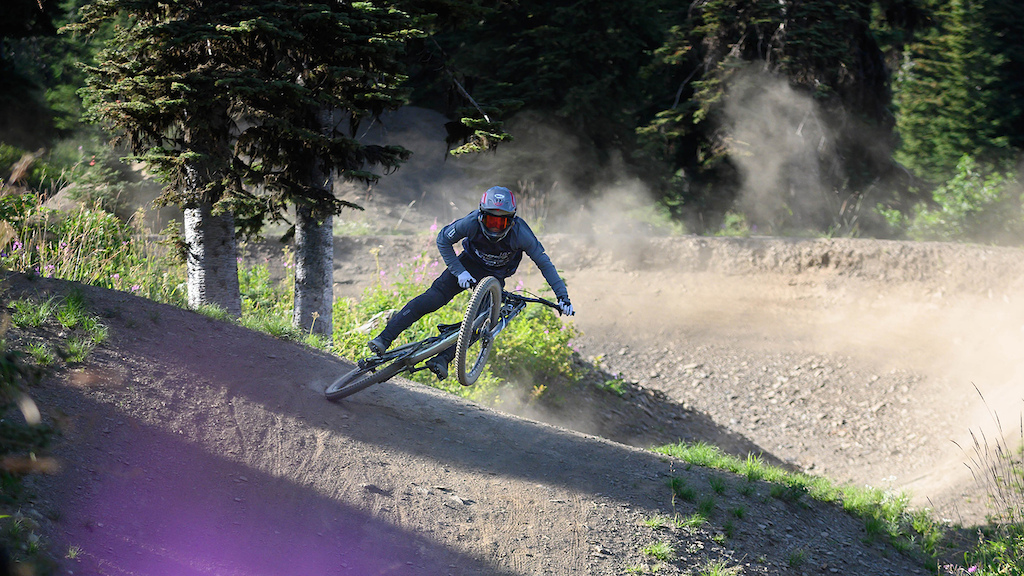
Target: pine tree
x,y
306,77
213,95
822,48
574,63
947,94
1004,19
156,86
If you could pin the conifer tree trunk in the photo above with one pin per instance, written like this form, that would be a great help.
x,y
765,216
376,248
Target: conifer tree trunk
x,y
314,273
212,259
314,246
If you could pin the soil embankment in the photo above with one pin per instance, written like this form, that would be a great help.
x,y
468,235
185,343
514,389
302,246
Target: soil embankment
x,y
861,360
196,447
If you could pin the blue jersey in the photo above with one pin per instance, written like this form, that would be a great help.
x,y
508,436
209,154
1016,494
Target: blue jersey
x,y
500,258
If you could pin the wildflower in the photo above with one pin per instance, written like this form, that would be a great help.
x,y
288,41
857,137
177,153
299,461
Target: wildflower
x,y
136,288
17,245
972,569
433,227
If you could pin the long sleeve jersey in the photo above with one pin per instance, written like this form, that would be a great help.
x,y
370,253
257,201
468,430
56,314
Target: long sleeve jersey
x,y
502,258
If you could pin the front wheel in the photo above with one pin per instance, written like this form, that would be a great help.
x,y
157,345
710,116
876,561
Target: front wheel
x,y
475,342
359,379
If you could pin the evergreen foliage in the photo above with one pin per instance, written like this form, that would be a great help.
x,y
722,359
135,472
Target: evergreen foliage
x,y
647,81
825,50
947,101
577,63
1004,23
216,97
232,94
305,78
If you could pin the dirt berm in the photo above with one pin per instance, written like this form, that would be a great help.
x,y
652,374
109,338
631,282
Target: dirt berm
x,y
192,446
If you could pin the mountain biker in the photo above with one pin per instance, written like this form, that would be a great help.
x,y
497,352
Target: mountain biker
x,y
493,242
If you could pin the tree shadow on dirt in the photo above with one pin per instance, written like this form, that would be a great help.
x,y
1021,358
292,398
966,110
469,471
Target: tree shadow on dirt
x,y
134,498
205,447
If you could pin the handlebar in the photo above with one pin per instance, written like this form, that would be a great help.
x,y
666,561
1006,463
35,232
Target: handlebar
x,y
505,295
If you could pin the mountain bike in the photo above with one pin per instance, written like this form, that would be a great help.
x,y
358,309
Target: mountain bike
x,y
490,310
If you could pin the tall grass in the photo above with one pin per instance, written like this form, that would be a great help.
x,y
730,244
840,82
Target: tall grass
x,y
886,515
997,465
95,247
88,245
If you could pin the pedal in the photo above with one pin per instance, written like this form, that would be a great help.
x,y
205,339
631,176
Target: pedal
x,y
438,367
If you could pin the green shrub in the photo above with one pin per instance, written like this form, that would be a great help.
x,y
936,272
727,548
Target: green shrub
x,y
532,354
977,204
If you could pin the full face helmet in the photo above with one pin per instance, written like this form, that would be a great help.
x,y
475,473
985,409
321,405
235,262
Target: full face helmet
x,y
497,211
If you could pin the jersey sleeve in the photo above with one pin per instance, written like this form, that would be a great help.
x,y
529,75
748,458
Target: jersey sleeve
x,y
535,250
451,235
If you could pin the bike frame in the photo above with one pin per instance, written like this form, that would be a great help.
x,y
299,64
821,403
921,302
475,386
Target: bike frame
x,y
421,350
461,336
511,305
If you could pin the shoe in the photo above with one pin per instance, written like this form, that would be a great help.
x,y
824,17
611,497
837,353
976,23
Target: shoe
x,y
378,345
438,366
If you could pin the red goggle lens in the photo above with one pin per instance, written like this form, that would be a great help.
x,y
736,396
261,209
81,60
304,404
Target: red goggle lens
x,y
497,223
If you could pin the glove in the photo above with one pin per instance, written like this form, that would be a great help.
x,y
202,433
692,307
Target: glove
x,y
565,306
466,279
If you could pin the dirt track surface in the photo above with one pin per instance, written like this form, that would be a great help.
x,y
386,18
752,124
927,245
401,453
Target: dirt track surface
x,y
196,447
860,360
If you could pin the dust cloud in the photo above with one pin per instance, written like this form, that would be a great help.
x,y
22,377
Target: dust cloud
x,y
936,310
776,138
544,165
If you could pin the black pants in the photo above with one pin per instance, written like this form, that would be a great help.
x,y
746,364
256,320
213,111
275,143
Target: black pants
x,y
441,292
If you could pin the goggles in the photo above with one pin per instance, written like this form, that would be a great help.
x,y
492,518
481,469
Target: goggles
x,y
497,223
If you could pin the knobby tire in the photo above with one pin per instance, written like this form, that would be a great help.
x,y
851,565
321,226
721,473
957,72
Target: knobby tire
x,y
486,299
360,379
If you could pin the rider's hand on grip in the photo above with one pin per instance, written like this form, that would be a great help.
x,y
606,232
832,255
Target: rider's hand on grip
x,y
565,307
466,279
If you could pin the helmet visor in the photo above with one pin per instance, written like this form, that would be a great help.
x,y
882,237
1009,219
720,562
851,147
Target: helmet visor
x,y
496,224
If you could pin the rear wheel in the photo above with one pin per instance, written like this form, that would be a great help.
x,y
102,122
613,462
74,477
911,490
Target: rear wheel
x,y
361,378
475,342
